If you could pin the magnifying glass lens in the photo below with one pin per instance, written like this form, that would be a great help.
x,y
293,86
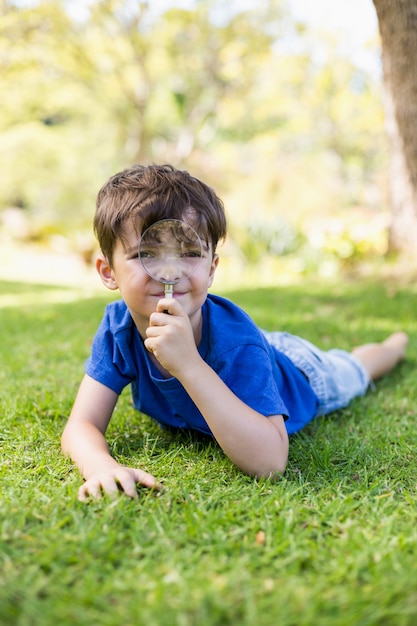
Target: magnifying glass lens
x,y
169,251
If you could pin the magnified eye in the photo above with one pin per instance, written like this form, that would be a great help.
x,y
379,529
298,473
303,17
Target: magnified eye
x,y
191,253
169,250
146,254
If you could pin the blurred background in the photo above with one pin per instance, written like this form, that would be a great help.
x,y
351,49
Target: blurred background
x,y
277,106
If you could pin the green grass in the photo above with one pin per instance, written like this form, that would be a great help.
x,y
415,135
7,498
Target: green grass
x,y
333,543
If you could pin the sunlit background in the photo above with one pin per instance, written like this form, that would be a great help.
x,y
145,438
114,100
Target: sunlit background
x,y
277,104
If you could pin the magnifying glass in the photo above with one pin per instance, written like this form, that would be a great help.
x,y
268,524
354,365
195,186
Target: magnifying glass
x,y
169,251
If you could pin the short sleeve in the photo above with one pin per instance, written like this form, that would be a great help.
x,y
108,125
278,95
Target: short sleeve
x,y
111,361
248,371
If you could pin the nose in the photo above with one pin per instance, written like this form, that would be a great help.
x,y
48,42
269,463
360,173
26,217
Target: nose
x,y
169,271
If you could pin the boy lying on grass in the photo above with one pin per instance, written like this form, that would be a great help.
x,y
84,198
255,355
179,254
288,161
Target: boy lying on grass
x,y
196,360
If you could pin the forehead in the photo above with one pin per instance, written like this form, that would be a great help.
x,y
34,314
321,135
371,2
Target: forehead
x,y
133,231
137,224
165,231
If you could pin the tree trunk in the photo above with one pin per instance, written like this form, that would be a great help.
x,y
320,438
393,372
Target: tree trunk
x,y
398,28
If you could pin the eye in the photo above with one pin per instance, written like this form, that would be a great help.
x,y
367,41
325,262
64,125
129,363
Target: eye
x,y
190,255
144,254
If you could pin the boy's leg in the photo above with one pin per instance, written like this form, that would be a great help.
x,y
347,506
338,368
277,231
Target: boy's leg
x,y
380,358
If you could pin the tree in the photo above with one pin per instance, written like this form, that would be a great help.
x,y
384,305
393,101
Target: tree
x,y
120,84
235,94
398,28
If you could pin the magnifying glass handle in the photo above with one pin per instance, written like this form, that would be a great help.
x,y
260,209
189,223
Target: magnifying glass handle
x,y
168,291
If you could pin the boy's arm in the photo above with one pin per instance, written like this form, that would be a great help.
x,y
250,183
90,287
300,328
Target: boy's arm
x,y
256,444
83,440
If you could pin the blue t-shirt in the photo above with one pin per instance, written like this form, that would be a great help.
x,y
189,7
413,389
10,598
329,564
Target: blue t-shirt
x,y
232,345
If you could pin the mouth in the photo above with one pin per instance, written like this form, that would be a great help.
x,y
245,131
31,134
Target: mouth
x,y
158,295
161,294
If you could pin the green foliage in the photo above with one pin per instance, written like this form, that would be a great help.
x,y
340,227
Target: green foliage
x,y
332,543
260,239
236,95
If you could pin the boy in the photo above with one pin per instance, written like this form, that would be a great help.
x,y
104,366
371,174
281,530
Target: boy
x,y
196,360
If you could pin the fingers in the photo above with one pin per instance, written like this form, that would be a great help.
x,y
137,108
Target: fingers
x,y
87,490
166,309
149,345
95,488
169,306
145,479
123,480
160,328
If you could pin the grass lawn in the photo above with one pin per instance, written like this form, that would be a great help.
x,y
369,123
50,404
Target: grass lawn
x,y
334,543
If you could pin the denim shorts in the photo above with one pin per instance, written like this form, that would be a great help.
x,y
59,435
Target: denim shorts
x,y
336,376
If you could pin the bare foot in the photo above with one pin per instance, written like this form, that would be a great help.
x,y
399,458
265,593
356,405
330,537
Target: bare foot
x,y
397,341
380,358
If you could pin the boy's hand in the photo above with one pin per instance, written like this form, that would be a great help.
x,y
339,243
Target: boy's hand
x,y
170,337
111,482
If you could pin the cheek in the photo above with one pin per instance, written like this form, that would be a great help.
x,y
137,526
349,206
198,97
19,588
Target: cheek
x,y
134,283
211,272
205,274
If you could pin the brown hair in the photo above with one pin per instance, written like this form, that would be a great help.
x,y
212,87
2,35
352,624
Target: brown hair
x,y
143,195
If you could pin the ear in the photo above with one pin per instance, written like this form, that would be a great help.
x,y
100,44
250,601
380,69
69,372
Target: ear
x,y
106,273
213,268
